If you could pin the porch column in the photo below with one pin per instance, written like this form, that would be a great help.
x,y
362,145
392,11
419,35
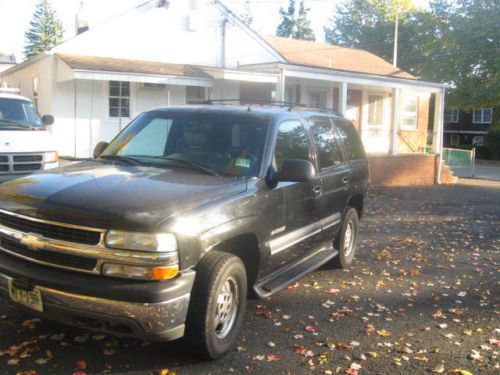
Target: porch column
x,y
393,148
437,139
343,98
280,87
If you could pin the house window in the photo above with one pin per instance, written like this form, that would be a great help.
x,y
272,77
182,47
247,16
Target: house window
x,y
478,140
410,113
482,116
451,116
318,98
119,99
195,95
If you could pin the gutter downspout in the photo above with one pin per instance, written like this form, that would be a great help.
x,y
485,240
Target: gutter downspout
x,y
223,43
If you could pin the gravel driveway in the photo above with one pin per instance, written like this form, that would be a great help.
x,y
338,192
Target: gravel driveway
x,y
422,298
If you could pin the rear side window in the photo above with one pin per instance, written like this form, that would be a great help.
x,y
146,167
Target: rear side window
x,y
292,143
350,139
324,139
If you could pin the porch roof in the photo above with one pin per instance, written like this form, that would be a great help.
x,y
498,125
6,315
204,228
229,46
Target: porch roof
x,y
301,52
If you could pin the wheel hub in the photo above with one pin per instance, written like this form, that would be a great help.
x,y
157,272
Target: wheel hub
x,y
349,239
227,308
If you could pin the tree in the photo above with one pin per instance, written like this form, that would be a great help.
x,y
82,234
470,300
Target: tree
x,y
295,26
45,32
456,41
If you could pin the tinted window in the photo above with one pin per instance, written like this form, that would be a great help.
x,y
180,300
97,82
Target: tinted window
x,y
324,139
350,139
20,112
292,143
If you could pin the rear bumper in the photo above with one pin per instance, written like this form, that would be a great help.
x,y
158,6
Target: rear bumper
x,y
157,321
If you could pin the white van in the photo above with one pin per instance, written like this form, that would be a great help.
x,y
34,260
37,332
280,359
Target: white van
x,y
26,145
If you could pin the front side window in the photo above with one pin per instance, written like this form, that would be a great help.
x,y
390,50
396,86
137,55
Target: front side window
x,y
16,114
482,116
119,99
292,142
227,144
410,113
350,139
324,139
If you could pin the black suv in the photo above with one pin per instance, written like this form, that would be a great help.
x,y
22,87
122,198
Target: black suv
x,y
185,213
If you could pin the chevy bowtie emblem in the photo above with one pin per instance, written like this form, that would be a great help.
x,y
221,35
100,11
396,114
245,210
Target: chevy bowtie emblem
x,y
32,242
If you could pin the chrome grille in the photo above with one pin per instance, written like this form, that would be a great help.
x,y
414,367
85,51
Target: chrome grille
x,y
47,230
60,259
20,163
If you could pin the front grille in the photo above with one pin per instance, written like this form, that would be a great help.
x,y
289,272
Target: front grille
x,y
21,163
27,167
57,232
64,260
27,158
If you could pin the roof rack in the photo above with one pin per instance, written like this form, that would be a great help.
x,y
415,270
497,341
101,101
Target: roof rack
x,y
290,106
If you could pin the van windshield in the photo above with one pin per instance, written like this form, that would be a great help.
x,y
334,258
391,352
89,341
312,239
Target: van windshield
x,y
17,114
217,143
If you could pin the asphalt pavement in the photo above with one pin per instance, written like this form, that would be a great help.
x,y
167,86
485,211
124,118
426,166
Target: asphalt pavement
x,y
423,297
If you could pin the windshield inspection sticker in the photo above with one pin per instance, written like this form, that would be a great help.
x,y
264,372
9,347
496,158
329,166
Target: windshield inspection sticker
x,y
243,163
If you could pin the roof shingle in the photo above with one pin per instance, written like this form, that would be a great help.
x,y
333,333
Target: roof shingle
x,y
301,52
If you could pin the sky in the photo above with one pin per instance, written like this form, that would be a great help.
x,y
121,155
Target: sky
x,y
15,16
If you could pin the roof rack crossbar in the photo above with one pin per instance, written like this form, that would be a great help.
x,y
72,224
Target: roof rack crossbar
x,y
290,106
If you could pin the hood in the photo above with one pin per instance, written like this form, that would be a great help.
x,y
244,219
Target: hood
x,y
26,141
114,196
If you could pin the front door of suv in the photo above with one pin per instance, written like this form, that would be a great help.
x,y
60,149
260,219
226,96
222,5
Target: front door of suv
x,y
334,174
297,233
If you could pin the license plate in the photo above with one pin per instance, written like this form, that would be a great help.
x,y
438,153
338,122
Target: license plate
x,y
30,298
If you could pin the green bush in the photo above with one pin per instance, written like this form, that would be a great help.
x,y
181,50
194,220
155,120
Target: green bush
x,y
492,142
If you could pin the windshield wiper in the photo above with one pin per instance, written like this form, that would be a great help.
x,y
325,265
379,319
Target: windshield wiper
x,y
199,166
11,123
126,159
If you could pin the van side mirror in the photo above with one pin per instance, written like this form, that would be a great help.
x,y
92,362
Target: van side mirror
x,y
47,120
99,149
295,170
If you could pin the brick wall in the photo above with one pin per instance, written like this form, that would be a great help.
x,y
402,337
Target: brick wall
x,y
413,140
402,170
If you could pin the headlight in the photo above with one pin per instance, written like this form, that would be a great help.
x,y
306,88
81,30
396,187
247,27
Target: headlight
x,y
161,242
51,157
140,272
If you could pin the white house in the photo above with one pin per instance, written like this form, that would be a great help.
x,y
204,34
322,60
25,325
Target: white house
x,y
176,52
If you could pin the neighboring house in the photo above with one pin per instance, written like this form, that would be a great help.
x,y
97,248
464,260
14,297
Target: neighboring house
x,y
466,129
6,62
184,52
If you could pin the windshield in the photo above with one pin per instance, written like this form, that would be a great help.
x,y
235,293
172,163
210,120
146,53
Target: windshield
x,y
17,114
225,144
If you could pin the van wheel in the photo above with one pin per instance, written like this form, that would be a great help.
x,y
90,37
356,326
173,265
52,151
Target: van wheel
x,y
217,305
345,242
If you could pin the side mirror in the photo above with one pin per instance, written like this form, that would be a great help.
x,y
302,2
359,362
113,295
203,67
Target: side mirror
x,y
99,148
295,170
47,120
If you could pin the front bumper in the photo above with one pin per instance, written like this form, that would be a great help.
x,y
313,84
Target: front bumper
x,y
157,321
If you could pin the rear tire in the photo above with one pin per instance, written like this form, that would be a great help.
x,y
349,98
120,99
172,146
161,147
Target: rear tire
x,y
345,242
217,305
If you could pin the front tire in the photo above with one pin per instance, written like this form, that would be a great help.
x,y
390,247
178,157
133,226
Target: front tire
x,y
217,305
345,242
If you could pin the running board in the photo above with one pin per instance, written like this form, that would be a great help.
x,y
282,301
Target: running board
x,y
291,273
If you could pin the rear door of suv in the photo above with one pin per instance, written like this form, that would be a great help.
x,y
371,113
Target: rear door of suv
x,y
334,172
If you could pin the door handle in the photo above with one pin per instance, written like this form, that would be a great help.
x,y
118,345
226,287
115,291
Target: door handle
x,y
317,189
345,179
